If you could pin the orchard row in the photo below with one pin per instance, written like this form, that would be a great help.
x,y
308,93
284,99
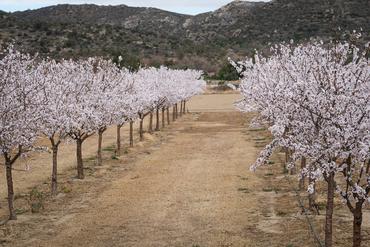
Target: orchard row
x,y
315,98
76,99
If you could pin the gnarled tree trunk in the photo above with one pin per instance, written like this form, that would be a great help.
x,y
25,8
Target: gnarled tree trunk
x,y
157,120
181,108
173,113
131,133
118,151
80,168
288,159
357,224
301,180
311,197
168,115
54,172
150,129
177,110
9,181
9,161
163,117
329,210
141,131
99,158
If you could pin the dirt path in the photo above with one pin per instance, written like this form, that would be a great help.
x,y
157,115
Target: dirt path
x,y
183,194
186,186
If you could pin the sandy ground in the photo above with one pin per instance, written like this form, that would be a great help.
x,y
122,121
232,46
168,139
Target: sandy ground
x,y
188,185
214,102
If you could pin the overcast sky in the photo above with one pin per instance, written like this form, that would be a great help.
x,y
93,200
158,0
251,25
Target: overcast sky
x,y
187,6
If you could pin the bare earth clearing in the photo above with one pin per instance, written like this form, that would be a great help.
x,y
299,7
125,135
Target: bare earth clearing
x,y
188,185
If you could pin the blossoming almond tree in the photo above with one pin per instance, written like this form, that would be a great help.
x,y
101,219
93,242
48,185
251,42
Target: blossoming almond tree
x,y
82,117
19,111
110,85
338,97
316,100
124,99
57,92
145,94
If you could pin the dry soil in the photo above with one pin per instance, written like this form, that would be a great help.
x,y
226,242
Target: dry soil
x,y
188,185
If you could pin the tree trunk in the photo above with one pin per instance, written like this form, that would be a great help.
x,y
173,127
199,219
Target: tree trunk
x,y
118,151
80,168
329,211
357,223
184,107
177,110
150,129
288,160
157,120
311,197
9,181
99,158
173,113
163,117
180,108
54,173
301,180
141,131
131,134
168,115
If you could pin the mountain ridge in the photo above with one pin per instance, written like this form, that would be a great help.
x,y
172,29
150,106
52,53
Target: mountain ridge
x,y
156,36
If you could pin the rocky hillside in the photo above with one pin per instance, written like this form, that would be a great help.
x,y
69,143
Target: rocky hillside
x,y
156,37
140,19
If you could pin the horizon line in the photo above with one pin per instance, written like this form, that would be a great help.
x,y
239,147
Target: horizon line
x,y
174,10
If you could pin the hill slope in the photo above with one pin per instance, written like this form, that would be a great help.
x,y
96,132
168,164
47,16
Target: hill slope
x,y
156,36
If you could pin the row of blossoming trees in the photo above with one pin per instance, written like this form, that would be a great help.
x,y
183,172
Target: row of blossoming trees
x,y
76,99
315,98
